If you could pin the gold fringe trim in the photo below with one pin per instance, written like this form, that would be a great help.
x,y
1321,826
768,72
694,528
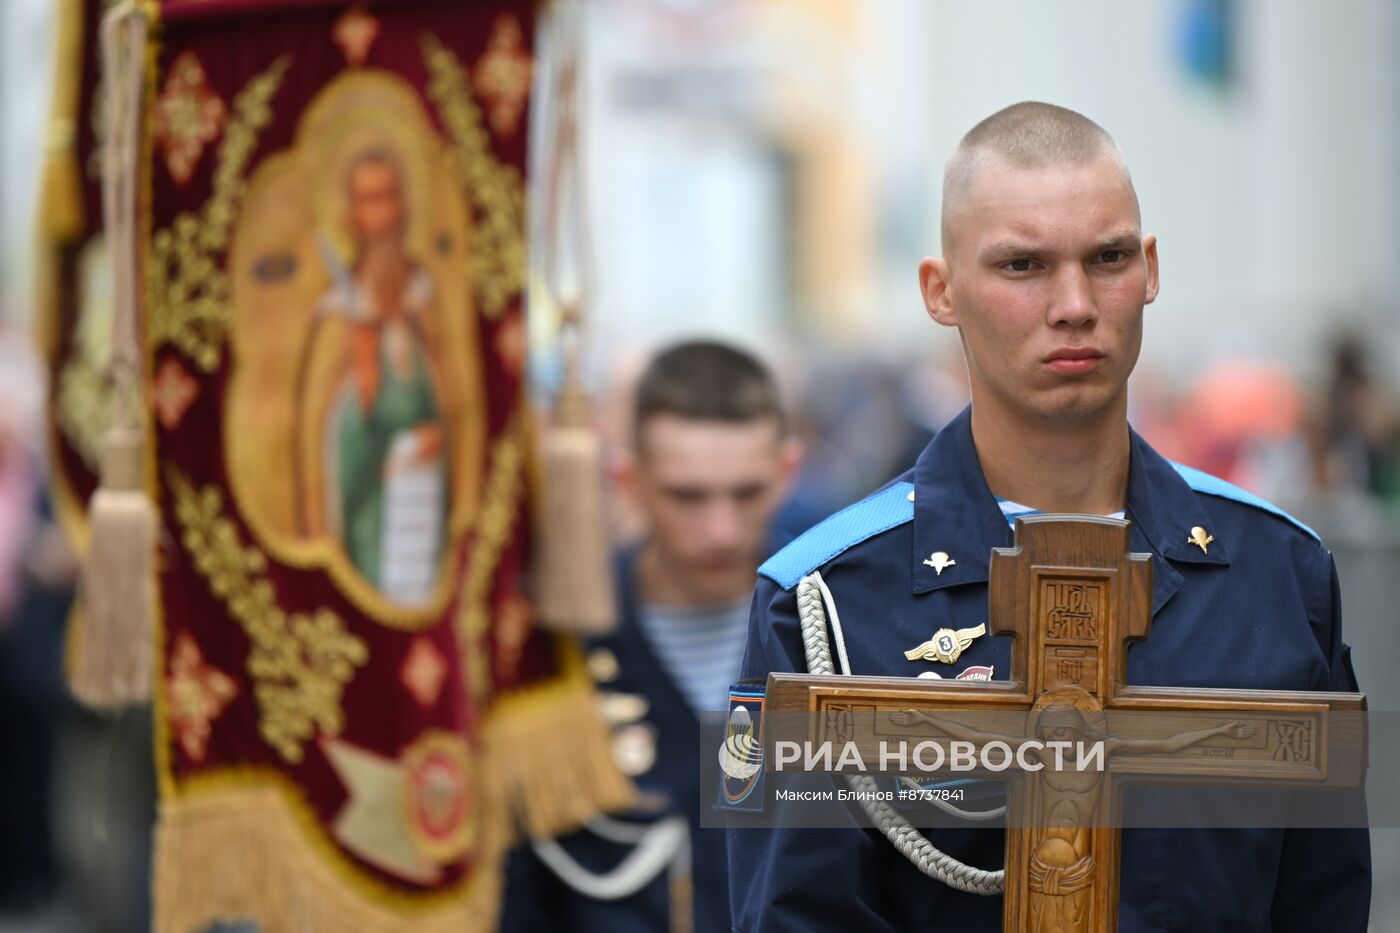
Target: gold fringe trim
x,y
548,751
240,846
240,854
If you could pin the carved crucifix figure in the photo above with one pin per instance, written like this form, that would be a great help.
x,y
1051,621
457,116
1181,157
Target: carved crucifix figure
x,y
1072,596
1062,860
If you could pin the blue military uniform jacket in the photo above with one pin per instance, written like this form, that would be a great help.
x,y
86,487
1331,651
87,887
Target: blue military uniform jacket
x,y
1258,609
536,899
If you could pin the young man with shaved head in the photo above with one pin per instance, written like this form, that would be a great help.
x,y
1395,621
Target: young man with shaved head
x,y
1045,273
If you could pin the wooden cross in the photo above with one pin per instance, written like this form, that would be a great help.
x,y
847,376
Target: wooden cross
x,y
1072,596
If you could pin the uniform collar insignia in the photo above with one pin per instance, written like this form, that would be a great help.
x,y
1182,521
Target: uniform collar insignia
x,y
952,503
939,561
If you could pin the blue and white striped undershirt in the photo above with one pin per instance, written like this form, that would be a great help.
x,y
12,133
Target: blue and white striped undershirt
x,y
701,649
1012,509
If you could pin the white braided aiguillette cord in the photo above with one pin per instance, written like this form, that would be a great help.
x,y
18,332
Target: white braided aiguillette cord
x,y
654,846
838,634
928,858
834,619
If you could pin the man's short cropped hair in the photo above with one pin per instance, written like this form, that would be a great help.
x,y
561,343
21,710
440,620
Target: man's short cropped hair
x,y
1027,135
704,380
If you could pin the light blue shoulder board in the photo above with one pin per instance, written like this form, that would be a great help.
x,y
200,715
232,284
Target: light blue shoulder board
x,y
1215,486
886,509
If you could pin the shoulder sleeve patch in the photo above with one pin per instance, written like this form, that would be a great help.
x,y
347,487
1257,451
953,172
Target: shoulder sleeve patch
x,y
1215,486
886,509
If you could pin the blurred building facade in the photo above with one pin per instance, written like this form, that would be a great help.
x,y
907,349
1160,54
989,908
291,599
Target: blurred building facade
x,y
772,169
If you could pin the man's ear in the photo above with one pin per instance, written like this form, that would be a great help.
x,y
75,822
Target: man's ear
x,y
1149,251
791,455
933,284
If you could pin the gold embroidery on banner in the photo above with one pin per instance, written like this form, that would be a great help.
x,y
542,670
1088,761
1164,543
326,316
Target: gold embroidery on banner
x,y
83,403
498,511
188,116
83,407
513,627
173,392
189,291
440,805
497,191
198,693
502,75
424,671
299,662
355,32
510,344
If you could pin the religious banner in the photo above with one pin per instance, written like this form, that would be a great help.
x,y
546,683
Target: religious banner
x,y
354,710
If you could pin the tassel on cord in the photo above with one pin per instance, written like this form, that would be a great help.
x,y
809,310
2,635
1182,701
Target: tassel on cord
x,y
574,569
113,662
574,582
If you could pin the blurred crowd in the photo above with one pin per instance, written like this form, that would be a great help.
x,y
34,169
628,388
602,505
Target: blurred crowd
x,y
1256,425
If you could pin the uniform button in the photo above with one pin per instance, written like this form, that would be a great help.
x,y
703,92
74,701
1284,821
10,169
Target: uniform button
x,y
634,748
621,708
602,664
